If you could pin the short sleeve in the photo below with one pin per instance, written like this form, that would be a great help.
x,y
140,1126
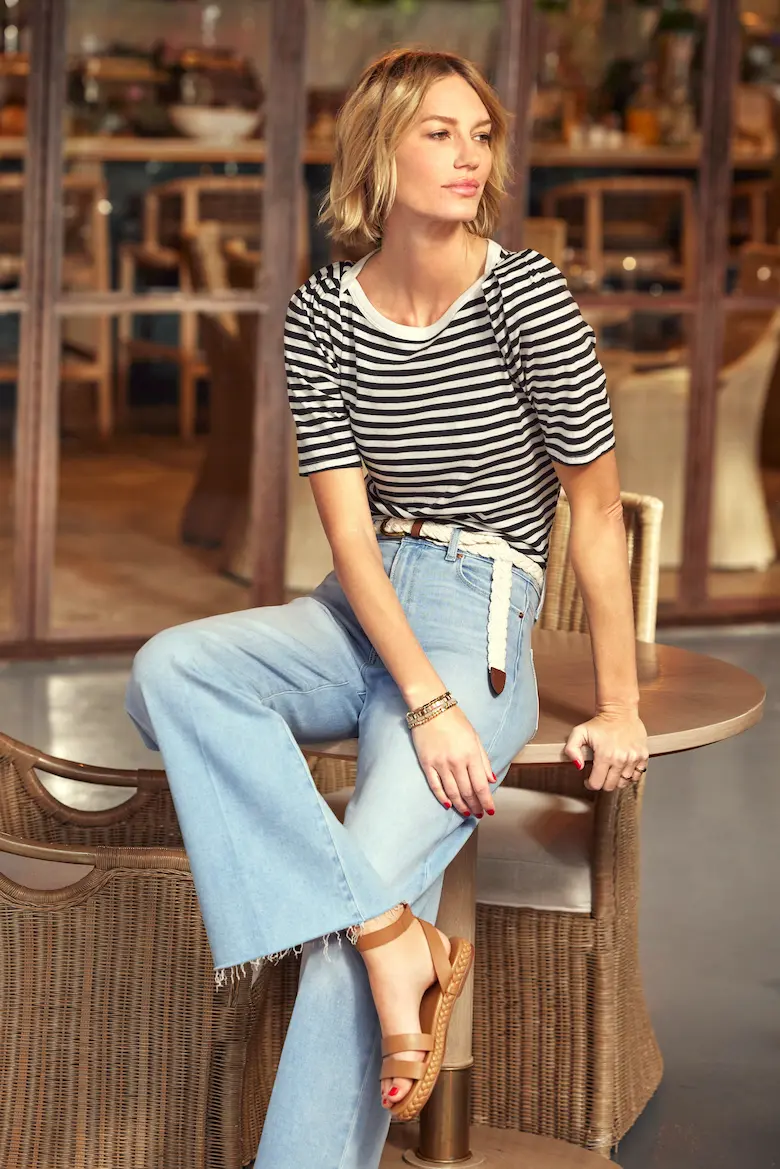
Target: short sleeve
x,y
562,376
322,426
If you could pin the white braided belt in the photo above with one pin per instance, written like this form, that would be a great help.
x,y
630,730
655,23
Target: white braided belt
x,y
502,554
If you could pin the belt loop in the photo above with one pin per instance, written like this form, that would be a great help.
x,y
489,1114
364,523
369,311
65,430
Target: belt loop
x,y
452,547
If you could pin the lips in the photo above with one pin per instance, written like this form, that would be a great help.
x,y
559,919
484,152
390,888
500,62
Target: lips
x,y
463,188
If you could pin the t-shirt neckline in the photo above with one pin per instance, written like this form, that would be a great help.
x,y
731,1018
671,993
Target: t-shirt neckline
x,y
350,283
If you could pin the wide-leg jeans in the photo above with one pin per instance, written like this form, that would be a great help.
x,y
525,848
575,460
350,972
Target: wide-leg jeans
x,y
227,700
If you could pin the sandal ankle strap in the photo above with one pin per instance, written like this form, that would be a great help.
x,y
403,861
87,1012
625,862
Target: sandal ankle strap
x,y
388,933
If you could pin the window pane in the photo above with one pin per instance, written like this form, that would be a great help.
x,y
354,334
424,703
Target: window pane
x,y
163,131
615,141
14,75
149,523
646,359
745,535
9,351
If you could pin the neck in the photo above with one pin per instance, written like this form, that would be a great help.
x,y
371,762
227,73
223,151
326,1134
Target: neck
x,y
421,269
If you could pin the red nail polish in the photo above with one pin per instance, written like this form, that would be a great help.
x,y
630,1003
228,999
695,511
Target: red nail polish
x,y
448,806
578,765
493,774
393,1091
491,811
479,815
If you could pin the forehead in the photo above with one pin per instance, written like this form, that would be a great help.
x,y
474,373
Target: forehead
x,y
454,98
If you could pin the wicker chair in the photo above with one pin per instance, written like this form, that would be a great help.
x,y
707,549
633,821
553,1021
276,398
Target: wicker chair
x,y
118,1051
563,1045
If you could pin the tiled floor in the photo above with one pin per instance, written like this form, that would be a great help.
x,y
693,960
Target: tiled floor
x,y
710,912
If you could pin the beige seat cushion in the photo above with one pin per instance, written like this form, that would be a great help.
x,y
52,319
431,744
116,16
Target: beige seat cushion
x,y
533,854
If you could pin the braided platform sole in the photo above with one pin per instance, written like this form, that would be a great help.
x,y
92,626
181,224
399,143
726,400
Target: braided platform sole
x,y
461,958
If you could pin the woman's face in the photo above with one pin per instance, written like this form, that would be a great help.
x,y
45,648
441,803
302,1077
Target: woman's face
x,y
443,161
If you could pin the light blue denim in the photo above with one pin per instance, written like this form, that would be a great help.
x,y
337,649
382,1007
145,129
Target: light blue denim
x,y
227,700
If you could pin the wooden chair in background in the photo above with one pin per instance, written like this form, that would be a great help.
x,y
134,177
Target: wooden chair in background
x,y
217,512
86,348
172,212
749,222
624,226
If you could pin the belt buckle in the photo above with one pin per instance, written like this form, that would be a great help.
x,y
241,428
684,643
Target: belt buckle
x,y
389,535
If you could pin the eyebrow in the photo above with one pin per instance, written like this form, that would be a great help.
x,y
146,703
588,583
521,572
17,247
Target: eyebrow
x,y
454,121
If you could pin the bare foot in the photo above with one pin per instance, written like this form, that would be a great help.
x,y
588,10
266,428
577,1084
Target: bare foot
x,y
399,973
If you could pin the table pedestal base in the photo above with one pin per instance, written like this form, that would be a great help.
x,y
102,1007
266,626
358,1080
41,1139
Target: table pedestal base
x,y
493,1148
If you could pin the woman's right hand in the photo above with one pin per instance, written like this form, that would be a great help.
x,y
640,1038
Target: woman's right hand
x,y
455,763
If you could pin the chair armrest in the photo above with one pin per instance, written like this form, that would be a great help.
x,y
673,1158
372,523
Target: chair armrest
x,y
146,256
29,758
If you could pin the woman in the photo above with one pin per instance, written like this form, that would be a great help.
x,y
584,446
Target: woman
x,y
464,379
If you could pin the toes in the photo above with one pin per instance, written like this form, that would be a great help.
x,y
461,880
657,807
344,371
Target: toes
x,y
393,1091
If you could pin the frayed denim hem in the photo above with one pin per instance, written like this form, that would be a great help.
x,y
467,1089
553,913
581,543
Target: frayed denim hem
x,y
229,975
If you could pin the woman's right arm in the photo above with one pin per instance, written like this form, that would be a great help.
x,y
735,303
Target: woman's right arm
x,y
450,752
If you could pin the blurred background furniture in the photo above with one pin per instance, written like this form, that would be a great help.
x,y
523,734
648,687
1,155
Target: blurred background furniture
x,y
563,1046
547,236
216,513
650,412
86,351
628,226
750,212
173,211
119,1052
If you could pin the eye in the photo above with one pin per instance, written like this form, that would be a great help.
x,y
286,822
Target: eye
x,y
486,137
438,134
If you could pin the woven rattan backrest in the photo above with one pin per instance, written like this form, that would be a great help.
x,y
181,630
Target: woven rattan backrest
x,y
563,607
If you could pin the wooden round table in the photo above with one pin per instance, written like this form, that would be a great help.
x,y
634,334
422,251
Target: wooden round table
x,y
687,700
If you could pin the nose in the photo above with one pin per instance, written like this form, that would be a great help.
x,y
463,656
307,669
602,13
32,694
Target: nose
x,y
467,162
468,158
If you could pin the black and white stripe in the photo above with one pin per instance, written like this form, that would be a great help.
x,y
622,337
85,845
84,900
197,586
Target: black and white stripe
x,y
458,422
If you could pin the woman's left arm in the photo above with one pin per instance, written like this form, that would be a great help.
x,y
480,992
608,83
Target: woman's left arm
x,y
599,558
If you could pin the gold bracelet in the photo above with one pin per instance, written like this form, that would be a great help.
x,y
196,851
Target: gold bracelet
x,y
429,710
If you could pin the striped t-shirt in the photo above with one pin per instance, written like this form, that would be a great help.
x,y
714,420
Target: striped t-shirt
x,y
446,428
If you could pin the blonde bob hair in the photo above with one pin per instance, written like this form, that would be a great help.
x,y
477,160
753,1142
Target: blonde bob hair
x,y
375,116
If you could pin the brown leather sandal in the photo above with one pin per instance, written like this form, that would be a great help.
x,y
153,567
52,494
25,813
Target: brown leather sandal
x,y
435,1011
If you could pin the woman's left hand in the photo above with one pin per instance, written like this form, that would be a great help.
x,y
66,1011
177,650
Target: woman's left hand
x,y
620,751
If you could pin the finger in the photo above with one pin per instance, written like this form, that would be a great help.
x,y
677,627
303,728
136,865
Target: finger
x,y
598,774
615,773
574,747
481,787
625,772
436,786
490,777
467,794
450,785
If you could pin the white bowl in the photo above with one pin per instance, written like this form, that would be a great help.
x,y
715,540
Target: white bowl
x,y
214,125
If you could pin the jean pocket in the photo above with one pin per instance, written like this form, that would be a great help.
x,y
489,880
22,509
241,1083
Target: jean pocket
x,y
476,573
